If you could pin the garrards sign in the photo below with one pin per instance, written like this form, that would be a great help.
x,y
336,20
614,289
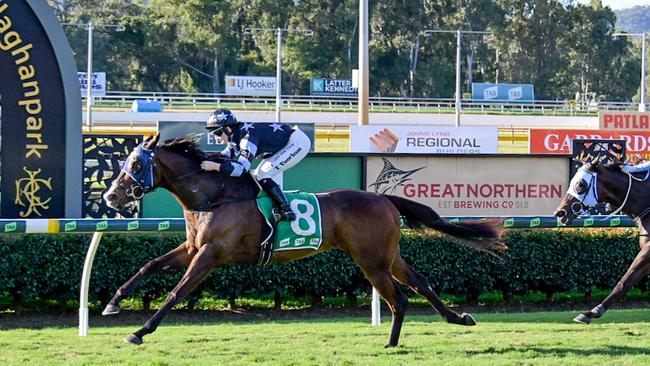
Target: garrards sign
x,y
40,125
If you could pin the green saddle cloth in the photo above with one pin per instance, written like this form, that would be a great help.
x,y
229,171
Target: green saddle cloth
x,y
302,233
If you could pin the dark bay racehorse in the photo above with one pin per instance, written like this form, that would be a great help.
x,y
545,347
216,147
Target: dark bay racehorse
x,y
595,183
224,226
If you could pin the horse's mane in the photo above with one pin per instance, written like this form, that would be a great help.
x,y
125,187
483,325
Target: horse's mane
x,y
186,146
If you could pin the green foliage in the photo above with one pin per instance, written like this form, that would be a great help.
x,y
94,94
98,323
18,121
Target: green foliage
x,y
172,45
48,267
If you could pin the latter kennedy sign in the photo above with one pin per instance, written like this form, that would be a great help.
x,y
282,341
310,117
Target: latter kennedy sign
x,y
423,139
624,120
334,87
473,186
559,141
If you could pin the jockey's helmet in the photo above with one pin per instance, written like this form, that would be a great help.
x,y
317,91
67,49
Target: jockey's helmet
x,y
220,121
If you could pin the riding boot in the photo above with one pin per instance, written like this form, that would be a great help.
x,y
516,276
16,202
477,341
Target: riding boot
x,y
284,211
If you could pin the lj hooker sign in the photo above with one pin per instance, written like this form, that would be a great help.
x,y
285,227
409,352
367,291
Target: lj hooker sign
x,y
41,115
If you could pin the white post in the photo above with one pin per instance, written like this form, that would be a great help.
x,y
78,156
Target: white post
x,y
642,107
278,76
85,284
458,92
89,76
375,307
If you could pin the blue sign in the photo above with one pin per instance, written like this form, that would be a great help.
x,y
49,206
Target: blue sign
x,y
340,87
504,93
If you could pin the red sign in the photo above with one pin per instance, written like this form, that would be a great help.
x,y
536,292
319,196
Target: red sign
x,y
558,141
624,120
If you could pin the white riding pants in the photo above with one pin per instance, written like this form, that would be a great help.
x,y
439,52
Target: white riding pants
x,y
291,154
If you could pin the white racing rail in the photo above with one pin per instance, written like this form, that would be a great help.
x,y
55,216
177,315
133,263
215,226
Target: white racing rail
x,y
206,101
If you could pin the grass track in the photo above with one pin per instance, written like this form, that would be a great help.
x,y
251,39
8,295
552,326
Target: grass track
x,y
550,338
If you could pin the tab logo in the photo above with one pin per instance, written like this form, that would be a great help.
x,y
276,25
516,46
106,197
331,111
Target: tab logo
x,y
615,221
490,93
70,226
510,222
132,225
101,226
535,222
10,227
164,225
285,242
515,93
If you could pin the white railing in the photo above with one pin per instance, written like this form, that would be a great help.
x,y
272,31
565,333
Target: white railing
x,y
203,101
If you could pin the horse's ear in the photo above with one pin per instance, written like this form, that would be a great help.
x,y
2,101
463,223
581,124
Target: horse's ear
x,y
151,141
595,160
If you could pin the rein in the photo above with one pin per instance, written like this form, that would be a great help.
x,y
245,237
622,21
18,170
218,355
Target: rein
x,y
627,195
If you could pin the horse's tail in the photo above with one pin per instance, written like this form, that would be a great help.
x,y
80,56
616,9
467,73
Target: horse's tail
x,y
481,234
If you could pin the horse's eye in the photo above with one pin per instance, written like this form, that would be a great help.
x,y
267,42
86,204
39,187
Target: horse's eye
x,y
136,166
581,187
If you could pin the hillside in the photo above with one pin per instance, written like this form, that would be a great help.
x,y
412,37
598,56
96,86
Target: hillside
x,y
633,20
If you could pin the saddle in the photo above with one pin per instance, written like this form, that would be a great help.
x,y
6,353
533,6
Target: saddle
x,y
303,233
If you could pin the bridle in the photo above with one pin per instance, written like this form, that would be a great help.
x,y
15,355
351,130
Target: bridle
x,y
141,168
589,197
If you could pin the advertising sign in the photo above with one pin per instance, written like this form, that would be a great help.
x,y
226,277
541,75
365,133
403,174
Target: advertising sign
x,y
423,139
548,141
173,129
250,85
99,83
473,186
624,120
503,92
334,87
40,129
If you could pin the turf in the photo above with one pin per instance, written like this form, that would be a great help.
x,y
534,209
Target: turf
x,y
546,338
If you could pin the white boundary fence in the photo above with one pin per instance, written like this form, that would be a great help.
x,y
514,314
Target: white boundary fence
x,y
100,226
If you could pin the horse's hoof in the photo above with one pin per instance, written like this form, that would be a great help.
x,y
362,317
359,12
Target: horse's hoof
x,y
582,319
469,319
133,339
111,310
388,345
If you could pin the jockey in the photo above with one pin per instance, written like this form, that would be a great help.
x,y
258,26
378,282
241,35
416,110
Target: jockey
x,y
279,145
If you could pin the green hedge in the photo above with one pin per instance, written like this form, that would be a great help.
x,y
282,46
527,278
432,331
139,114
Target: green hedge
x,y
48,267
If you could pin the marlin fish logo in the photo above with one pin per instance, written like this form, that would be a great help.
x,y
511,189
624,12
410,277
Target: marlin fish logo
x,y
390,178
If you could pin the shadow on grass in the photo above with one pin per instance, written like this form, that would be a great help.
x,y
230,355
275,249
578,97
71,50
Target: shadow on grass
x,y
566,352
359,315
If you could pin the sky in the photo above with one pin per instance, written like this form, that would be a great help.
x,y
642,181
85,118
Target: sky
x,y
620,4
